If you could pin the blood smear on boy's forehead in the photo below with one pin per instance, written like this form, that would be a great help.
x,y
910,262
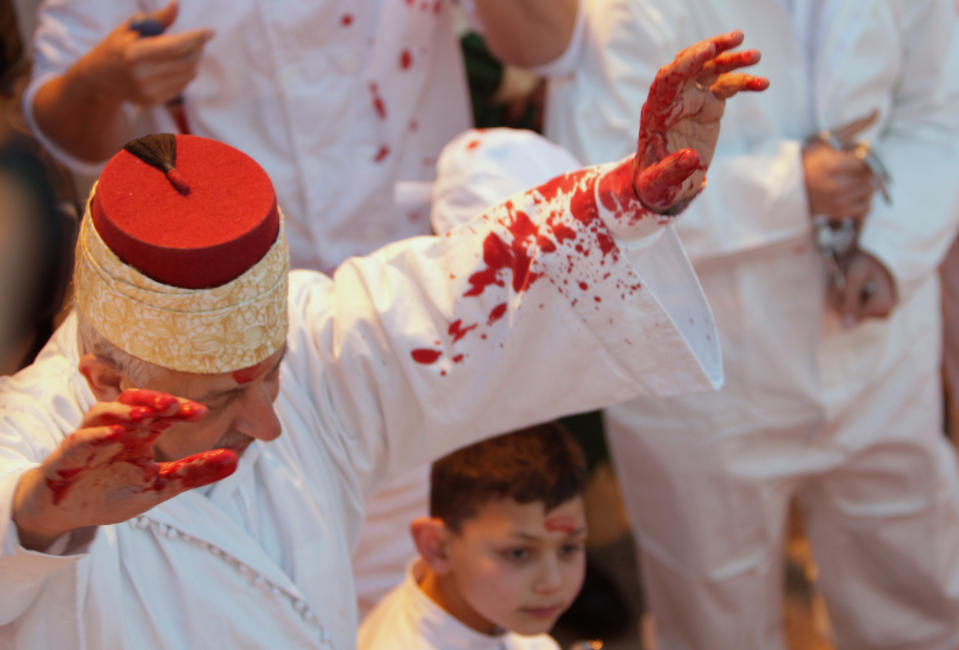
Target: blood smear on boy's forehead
x,y
560,524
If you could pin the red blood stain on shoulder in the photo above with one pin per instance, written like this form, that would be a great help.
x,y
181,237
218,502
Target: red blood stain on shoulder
x,y
381,153
583,208
563,233
496,313
406,59
458,358
515,241
473,144
378,105
496,255
425,355
545,244
457,331
346,20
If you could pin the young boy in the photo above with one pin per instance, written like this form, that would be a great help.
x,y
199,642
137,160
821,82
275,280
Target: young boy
x,y
501,555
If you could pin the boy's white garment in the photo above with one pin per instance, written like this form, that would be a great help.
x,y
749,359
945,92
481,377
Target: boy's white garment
x,y
264,560
409,619
847,418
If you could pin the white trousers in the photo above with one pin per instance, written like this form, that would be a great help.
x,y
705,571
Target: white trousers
x,y
877,485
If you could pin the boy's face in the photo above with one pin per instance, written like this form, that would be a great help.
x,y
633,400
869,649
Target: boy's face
x,y
519,567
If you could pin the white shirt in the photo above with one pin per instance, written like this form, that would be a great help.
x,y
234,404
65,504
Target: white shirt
x,y
264,561
407,618
339,101
788,359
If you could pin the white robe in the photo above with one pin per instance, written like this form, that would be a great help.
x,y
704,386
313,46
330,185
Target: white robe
x,y
847,419
264,561
407,618
345,104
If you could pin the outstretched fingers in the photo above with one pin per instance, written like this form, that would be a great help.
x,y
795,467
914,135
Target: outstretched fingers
x,y
194,471
165,410
160,402
727,41
729,61
731,83
695,59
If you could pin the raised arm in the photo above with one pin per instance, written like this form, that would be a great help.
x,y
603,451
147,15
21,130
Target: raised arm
x,y
530,310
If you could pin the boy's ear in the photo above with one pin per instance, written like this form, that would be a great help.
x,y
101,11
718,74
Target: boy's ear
x,y
431,537
103,377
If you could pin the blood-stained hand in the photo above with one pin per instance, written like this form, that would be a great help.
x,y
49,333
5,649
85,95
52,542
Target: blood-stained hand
x,y
106,472
125,66
869,291
680,119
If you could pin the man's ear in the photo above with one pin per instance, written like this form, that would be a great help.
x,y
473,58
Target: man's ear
x,y
432,538
103,377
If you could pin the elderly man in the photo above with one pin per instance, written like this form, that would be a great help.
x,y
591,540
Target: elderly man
x,y
182,288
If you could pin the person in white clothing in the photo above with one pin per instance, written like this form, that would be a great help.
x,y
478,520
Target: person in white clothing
x,y
402,356
345,104
832,394
501,554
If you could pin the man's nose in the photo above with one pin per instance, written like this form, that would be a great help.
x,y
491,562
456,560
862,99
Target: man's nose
x,y
256,416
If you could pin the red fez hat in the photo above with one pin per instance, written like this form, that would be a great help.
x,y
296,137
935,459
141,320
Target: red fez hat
x,y
185,211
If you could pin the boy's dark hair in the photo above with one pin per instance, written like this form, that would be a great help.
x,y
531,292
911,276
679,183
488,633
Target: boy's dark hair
x,y
540,463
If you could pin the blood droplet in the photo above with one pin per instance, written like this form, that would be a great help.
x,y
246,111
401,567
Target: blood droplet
x,y
425,355
378,105
497,313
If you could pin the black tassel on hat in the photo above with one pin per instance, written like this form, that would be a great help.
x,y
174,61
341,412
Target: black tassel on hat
x,y
159,150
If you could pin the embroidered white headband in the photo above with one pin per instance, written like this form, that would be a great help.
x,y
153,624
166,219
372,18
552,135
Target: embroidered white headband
x,y
204,224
